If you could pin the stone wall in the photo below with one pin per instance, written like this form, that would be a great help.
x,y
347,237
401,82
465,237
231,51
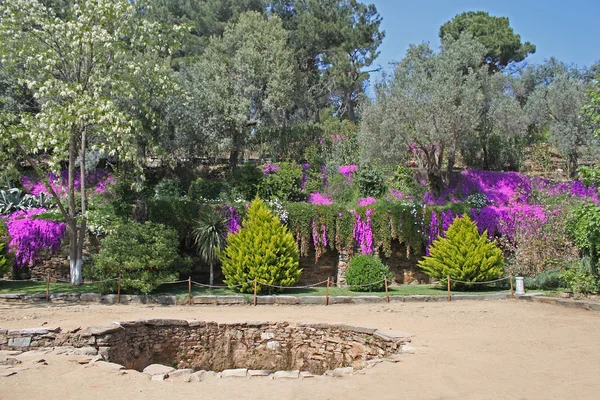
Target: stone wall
x,y
200,345
325,267
403,266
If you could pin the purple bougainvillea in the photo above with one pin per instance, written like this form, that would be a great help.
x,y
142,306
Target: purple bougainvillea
x,y
28,236
233,223
363,233
270,169
347,170
366,201
98,181
318,199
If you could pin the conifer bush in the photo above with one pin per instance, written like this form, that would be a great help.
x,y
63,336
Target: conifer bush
x,y
367,273
262,249
464,254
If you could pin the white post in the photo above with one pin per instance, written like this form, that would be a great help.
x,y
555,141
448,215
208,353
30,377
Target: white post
x,y
520,283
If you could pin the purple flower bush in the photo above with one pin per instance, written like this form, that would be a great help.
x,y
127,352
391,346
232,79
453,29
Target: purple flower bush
x,y
28,235
98,180
363,232
367,201
233,220
318,199
348,170
270,169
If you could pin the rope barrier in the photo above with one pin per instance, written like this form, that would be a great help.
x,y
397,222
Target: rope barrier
x,y
292,287
368,284
480,283
218,286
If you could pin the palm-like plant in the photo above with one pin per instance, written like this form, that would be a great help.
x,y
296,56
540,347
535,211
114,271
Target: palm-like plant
x,y
209,238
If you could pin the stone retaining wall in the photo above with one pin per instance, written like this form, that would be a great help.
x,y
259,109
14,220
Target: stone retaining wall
x,y
199,345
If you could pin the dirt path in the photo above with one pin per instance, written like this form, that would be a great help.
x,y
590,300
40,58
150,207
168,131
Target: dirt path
x,y
463,350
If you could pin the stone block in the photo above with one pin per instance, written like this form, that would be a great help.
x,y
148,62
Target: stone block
x,y
103,330
340,300
416,298
339,372
19,341
159,377
265,299
234,373
86,351
259,372
158,369
287,300
306,375
312,300
91,297
139,299
182,374
165,322
391,336
204,300
231,300
286,374
274,345
196,376
165,300
109,299
368,299
358,329
267,335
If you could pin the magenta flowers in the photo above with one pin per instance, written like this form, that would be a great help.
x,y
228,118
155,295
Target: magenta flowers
x,y
318,199
347,170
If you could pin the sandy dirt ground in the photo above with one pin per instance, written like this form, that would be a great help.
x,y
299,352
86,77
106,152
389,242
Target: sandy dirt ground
x,y
500,349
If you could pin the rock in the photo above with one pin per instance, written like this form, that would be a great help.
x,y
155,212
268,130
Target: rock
x,y
231,300
4,374
259,372
267,335
344,371
306,375
341,300
159,377
286,374
103,330
166,300
109,299
273,345
10,361
234,373
91,297
265,300
368,299
109,365
157,369
20,341
86,351
204,300
196,376
286,300
166,322
312,299
181,374
566,295
391,336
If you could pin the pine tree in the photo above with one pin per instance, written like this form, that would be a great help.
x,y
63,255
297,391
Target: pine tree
x,y
464,255
262,249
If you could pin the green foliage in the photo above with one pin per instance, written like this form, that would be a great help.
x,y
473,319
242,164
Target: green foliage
x,y
168,189
340,190
502,44
5,264
477,201
314,180
590,176
102,218
367,269
580,278
178,214
262,249
547,280
285,184
584,228
209,237
404,181
143,255
464,255
205,189
370,181
245,181
14,199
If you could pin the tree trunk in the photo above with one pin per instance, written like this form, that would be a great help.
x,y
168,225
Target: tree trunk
x,y
451,160
573,165
350,108
74,253
211,278
233,160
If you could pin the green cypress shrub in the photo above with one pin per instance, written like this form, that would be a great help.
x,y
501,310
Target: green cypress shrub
x,y
262,249
366,269
143,256
463,254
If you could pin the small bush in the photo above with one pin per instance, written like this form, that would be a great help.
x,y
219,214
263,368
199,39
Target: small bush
x,y
143,255
547,280
341,190
244,182
464,255
205,189
370,182
580,279
285,184
366,269
262,249
168,188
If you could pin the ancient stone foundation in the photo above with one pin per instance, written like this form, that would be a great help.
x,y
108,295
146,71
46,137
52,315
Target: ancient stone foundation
x,y
197,345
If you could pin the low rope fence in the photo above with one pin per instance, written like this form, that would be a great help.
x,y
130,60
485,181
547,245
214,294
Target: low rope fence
x,y
256,282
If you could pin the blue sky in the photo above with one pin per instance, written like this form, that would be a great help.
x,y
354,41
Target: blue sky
x,y
567,30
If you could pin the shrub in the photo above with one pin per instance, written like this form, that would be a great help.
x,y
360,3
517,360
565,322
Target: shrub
x,y
547,280
284,184
580,278
168,188
143,255
262,249
463,254
178,214
205,189
370,182
5,264
590,176
366,269
244,182
341,190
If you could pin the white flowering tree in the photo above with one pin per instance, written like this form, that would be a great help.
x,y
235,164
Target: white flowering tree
x,y
81,62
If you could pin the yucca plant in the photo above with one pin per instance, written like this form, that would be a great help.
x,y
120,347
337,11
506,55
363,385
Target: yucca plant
x,y
209,238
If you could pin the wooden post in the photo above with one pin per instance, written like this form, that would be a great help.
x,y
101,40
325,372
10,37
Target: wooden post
x,y
512,290
327,293
48,287
449,298
189,291
119,290
254,291
387,295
